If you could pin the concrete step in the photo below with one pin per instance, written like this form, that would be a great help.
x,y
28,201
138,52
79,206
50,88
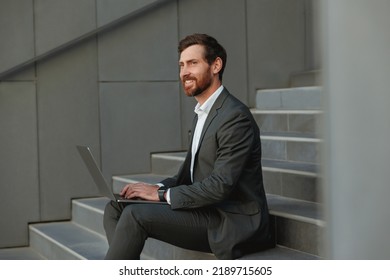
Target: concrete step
x,y
291,147
295,121
88,212
290,179
298,98
298,223
67,241
81,238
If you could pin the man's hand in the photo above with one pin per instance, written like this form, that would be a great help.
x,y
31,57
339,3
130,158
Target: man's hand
x,y
140,190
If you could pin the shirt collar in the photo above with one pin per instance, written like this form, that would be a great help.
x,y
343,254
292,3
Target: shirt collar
x,y
206,106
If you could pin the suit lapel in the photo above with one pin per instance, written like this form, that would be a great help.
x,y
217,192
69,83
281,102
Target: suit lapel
x,y
213,113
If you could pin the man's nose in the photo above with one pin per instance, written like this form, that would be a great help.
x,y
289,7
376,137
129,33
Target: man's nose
x,y
184,71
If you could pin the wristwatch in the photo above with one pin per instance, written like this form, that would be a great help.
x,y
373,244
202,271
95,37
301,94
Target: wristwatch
x,y
161,192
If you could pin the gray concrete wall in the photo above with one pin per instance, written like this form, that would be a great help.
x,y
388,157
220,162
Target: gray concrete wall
x,y
18,161
17,29
68,114
105,74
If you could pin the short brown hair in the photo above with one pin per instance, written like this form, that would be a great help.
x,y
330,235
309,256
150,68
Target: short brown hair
x,y
212,48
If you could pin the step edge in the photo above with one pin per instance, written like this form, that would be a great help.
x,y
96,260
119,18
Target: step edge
x,y
289,89
88,207
315,257
121,178
290,171
287,138
287,111
89,230
166,156
316,222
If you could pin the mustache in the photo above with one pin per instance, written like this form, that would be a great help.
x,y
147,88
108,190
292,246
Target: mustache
x,y
188,78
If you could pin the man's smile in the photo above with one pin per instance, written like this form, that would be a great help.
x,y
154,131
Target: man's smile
x,y
189,83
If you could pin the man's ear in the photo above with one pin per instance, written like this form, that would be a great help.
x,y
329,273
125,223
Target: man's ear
x,y
217,65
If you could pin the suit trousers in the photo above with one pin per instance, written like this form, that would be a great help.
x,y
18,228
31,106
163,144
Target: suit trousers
x,y
128,227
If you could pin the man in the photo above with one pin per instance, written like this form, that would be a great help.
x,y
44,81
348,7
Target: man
x,y
216,202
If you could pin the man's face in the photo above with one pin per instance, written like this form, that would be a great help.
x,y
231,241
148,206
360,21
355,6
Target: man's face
x,y
195,73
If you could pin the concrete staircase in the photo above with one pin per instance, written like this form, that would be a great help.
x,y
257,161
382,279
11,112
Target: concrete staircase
x,y
288,119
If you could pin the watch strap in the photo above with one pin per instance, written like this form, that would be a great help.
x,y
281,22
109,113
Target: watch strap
x,y
161,192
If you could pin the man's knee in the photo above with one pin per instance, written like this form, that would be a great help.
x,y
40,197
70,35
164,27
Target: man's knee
x,y
134,211
145,215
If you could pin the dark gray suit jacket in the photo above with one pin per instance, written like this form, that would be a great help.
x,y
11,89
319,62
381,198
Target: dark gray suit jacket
x,y
228,177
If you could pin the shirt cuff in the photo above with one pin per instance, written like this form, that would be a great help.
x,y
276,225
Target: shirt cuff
x,y
168,193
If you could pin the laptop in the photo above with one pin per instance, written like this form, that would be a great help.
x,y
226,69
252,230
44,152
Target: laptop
x,y
103,187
